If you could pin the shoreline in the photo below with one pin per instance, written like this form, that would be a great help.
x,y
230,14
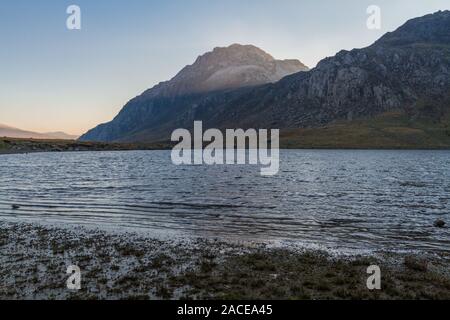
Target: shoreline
x,y
10,146
24,146
15,152
129,265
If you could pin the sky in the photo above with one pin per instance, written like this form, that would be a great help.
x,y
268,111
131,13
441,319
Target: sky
x,y
56,79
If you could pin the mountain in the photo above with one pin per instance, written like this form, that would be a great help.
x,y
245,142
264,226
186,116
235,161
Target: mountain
x,y
218,72
7,131
232,67
402,79
407,70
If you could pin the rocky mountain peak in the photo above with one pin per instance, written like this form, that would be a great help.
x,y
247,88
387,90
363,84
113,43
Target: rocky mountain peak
x,y
236,54
230,67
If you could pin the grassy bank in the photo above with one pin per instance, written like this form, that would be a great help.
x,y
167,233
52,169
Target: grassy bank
x,y
16,145
129,266
2,145
392,130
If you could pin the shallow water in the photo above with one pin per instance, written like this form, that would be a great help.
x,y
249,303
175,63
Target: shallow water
x,y
343,200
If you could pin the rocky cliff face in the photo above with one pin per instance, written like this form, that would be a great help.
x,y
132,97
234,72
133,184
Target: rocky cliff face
x,y
407,70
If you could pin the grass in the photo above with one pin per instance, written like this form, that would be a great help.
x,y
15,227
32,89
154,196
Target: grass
x,y
2,145
393,130
20,145
142,268
282,274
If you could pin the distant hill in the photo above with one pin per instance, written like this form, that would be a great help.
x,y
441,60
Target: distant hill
x,y
405,73
7,131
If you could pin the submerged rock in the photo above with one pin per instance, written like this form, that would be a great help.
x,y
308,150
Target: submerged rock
x,y
439,223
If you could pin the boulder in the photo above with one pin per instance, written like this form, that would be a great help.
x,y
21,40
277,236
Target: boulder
x,y
439,223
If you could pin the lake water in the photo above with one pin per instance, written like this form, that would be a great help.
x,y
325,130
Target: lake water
x,y
344,200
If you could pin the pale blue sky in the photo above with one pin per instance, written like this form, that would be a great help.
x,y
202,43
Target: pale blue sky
x,y
54,79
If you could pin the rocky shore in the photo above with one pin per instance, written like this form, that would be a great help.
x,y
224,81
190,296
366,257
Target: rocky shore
x,y
123,265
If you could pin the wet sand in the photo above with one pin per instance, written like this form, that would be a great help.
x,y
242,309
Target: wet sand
x,y
34,259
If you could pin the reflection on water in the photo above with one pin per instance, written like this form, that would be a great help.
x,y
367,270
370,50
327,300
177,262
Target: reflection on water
x,y
339,199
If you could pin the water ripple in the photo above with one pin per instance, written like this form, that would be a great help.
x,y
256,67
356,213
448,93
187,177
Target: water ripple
x,y
348,200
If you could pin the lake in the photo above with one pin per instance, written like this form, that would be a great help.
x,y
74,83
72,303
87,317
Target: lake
x,y
341,200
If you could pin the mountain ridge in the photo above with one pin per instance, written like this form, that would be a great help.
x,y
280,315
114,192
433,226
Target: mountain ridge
x,y
407,70
12,132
